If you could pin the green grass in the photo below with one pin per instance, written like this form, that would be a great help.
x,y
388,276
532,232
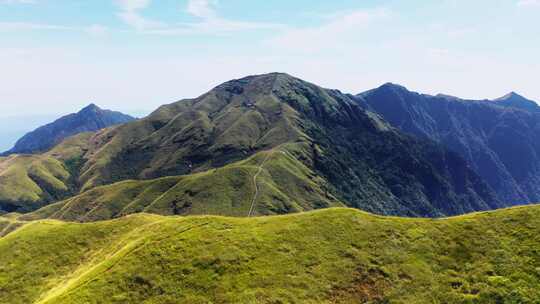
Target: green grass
x,y
192,135
285,185
25,180
8,224
28,182
327,256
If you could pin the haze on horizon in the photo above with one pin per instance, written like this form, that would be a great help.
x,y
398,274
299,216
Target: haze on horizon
x,y
134,55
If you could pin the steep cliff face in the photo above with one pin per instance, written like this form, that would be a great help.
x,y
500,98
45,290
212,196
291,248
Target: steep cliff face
x,y
500,139
89,119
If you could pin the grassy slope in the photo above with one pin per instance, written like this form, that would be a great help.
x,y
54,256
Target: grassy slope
x,y
193,135
29,181
177,139
328,256
285,185
9,224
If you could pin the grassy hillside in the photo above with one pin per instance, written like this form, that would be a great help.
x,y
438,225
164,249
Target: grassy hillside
x,y
8,223
28,182
328,256
284,185
227,124
365,163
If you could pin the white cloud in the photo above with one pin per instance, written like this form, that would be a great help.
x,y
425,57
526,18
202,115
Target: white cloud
x,y
133,5
528,3
338,30
210,22
130,14
135,20
202,8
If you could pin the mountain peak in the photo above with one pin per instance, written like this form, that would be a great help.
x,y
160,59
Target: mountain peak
x,y
89,119
387,89
511,95
90,108
269,77
262,83
393,86
515,100
446,96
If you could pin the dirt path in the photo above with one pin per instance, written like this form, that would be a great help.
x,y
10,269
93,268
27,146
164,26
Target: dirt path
x,y
256,194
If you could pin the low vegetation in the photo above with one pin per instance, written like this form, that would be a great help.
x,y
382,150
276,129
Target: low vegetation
x,y
327,256
28,182
284,185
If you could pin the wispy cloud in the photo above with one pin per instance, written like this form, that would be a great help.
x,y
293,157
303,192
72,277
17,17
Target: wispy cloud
x,y
202,8
130,14
528,3
338,29
133,5
209,23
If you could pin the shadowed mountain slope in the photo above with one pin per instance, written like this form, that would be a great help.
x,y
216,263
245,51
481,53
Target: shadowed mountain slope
x,y
499,139
328,256
515,100
89,119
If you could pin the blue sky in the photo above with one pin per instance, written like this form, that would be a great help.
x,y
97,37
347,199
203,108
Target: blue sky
x,y
134,55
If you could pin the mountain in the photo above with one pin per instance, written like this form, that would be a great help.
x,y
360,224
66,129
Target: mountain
x,y
499,139
261,145
515,100
90,118
327,256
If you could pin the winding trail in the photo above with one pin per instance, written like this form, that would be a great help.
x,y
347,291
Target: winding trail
x,y
256,194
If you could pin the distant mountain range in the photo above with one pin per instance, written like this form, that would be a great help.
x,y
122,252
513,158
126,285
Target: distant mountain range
x,y
499,139
305,146
89,119
274,144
